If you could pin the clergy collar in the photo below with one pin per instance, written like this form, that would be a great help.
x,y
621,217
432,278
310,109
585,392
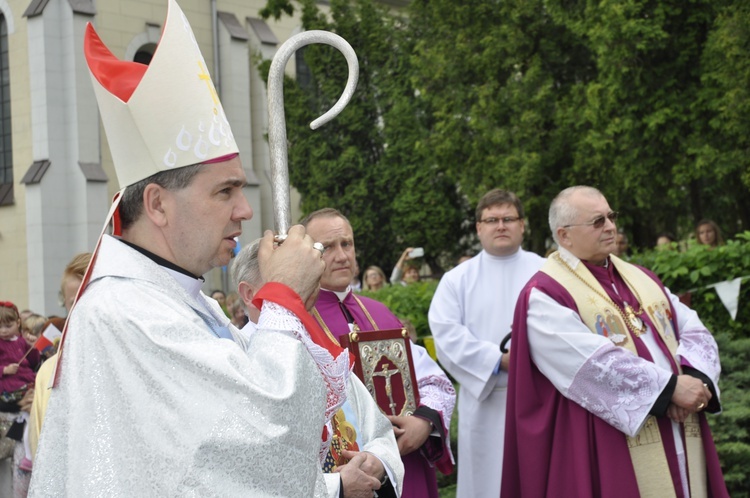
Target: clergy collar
x,y
503,258
573,260
568,257
161,261
187,280
340,294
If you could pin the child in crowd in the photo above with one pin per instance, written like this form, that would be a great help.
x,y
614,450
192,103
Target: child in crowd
x,y
18,362
707,232
31,328
17,367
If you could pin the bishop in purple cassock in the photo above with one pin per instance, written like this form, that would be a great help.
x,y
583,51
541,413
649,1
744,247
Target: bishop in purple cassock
x,y
423,439
610,375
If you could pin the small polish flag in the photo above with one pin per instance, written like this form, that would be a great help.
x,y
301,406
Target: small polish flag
x,y
49,338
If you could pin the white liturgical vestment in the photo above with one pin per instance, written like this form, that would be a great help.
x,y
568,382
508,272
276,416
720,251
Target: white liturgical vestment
x,y
469,316
151,402
374,431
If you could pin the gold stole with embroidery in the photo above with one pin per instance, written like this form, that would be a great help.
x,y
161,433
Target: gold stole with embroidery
x,y
646,448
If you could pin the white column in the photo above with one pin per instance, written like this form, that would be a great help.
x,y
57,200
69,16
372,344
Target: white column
x,y
64,212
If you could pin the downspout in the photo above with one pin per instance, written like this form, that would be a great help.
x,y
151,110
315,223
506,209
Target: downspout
x,y
215,41
217,87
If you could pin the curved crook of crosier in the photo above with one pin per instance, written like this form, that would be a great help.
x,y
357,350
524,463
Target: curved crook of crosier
x,y
277,121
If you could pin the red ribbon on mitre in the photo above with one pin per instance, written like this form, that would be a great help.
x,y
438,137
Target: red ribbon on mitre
x,y
120,78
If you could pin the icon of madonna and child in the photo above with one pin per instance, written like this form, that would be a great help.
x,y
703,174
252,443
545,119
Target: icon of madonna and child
x,y
611,326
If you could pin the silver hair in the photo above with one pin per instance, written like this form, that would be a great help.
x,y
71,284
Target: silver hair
x,y
562,212
245,267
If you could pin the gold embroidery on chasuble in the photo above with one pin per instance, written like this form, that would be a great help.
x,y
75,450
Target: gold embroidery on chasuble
x,y
619,324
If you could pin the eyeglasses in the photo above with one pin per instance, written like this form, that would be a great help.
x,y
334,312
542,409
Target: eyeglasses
x,y
507,220
598,222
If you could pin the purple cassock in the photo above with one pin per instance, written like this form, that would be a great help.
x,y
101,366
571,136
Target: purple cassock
x,y
555,447
435,390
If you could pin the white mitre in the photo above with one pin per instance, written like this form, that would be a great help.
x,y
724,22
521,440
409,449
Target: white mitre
x,y
158,117
162,116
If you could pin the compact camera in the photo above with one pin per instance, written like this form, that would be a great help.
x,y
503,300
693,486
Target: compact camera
x,y
417,252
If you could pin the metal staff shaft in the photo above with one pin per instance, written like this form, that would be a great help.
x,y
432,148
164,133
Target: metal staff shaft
x,y
282,217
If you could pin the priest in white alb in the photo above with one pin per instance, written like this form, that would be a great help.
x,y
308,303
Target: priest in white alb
x,y
470,314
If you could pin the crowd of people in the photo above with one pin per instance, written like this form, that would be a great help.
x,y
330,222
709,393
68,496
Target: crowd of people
x,y
28,353
157,389
409,268
706,233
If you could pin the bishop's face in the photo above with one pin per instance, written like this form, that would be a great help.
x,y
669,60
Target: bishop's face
x,y
337,238
206,216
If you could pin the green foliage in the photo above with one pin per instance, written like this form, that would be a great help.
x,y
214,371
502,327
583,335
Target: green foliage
x,y
411,302
447,492
276,9
722,137
692,271
368,162
500,79
683,271
646,100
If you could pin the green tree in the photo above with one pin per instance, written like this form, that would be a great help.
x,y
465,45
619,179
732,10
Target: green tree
x,y
641,112
504,82
369,162
646,100
722,138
